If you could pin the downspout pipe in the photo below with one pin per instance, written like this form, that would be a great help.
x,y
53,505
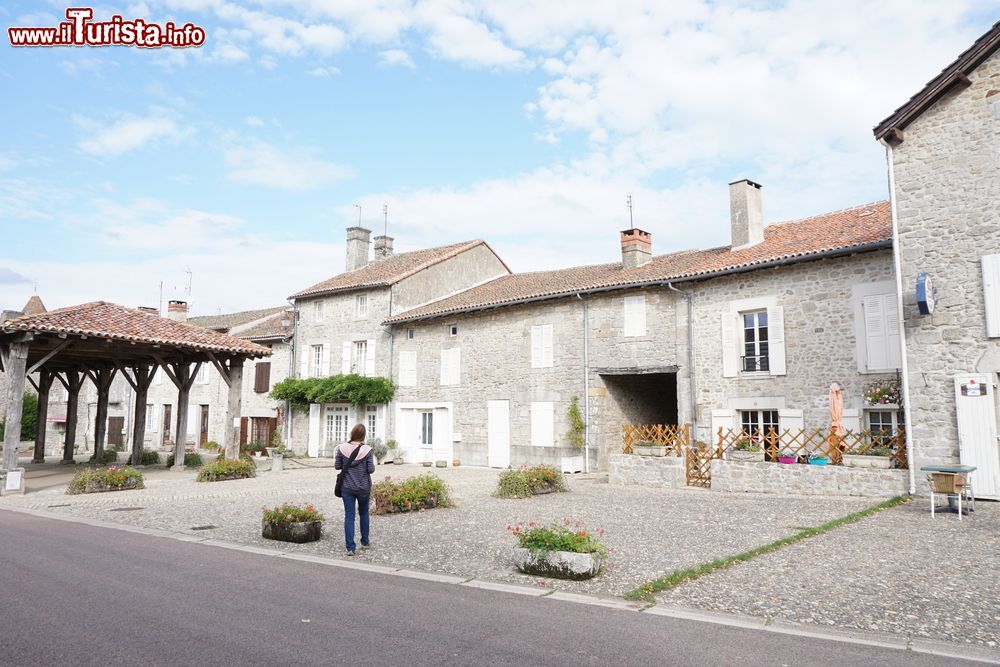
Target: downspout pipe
x,y
898,270
586,384
692,387
291,368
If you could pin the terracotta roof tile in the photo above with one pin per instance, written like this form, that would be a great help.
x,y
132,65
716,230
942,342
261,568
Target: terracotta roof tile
x,y
100,319
272,327
388,271
858,227
227,321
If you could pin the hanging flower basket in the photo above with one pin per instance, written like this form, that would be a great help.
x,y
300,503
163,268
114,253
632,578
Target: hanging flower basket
x,y
883,392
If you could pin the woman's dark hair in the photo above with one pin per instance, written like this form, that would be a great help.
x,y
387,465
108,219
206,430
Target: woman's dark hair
x,y
358,433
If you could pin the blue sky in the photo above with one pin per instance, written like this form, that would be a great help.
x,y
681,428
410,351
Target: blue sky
x,y
522,124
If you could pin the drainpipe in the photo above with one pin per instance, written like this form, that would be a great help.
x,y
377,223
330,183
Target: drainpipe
x,y
898,270
586,385
291,369
690,345
392,355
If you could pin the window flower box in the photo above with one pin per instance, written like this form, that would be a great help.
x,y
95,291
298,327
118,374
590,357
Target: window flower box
x,y
867,461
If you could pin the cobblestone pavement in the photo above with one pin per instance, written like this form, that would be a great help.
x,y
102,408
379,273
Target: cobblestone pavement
x,y
650,530
899,572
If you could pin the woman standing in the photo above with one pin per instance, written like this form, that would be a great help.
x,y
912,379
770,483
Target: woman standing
x,y
357,486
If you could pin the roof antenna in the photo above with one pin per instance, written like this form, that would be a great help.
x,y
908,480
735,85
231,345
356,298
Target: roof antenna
x,y
385,217
190,276
628,202
358,206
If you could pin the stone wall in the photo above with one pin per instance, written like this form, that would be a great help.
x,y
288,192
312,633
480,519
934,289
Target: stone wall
x,y
666,472
947,176
807,480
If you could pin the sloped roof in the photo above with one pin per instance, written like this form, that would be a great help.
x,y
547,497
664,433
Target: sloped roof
x,y
34,306
271,328
388,271
103,320
862,227
227,321
954,73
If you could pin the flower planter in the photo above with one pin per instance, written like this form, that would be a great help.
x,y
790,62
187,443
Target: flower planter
x,y
430,503
818,461
397,460
659,451
742,456
571,464
788,459
644,451
557,564
299,532
862,461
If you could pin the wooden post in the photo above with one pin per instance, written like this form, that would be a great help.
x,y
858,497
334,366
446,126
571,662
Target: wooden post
x,y
44,385
182,373
143,378
101,378
234,378
16,363
74,380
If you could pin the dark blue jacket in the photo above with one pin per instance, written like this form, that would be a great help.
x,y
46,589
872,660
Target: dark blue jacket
x,y
358,478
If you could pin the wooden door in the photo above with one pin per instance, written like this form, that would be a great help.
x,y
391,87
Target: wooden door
x,y
203,438
977,431
498,433
116,429
166,422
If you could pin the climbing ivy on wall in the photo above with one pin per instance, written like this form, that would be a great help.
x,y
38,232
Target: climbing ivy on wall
x,y
353,389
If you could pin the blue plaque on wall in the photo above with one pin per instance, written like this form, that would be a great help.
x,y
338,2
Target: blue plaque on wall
x,y
926,293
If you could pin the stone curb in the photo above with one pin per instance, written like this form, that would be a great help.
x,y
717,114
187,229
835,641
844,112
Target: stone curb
x,y
859,637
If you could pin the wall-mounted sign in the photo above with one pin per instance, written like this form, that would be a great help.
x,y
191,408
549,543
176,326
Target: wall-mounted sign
x,y
926,293
973,388
13,482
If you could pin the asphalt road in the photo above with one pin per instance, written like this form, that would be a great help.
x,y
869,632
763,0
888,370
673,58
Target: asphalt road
x,y
79,595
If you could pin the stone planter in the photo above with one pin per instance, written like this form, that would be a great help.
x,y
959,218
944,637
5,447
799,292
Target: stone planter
x,y
861,461
571,464
740,456
659,451
557,564
397,460
302,531
644,451
277,462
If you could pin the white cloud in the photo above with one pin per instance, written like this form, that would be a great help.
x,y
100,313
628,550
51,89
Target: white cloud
x,y
396,58
293,169
128,133
7,162
254,121
323,72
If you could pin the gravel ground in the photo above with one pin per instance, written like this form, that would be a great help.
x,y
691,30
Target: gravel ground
x,y
899,571
650,531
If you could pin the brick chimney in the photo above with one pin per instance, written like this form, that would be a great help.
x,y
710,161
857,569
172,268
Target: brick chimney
x,y
383,247
357,247
177,311
637,248
746,213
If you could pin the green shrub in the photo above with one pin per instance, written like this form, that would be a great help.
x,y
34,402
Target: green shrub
x,y
415,493
253,447
577,425
289,513
379,448
558,537
353,389
108,456
525,482
224,469
97,480
191,460
149,458
210,445
29,417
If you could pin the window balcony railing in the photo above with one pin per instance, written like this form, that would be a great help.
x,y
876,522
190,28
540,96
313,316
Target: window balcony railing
x,y
755,364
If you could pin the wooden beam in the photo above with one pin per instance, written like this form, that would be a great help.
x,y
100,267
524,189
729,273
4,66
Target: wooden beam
x,y
33,383
233,409
124,372
62,381
17,362
223,370
44,385
894,136
59,348
166,369
74,380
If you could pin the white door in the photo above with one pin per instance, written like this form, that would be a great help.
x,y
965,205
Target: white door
x,y
977,431
498,433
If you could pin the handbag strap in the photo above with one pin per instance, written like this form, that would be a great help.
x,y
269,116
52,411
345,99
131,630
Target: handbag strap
x,y
354,455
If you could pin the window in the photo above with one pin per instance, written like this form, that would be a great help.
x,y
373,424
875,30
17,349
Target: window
x,y
262,377
452,329
756,357
883,425
361,305
336,425
317,311
317,361
541,346
410,334
881,318
150,417
635,315
542,424
426,427
451,363
371,422
360,357
759,423
202,377
407,369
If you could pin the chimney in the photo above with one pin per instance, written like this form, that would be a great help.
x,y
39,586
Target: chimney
x,y
149,309
746,213
637,248
357,247
177,311
383,247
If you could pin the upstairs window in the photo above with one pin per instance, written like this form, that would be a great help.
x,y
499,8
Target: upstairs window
x,y
410,334
452,330
262,377
360,357
756,357
361,305
635,315
317,311
541,346
316,357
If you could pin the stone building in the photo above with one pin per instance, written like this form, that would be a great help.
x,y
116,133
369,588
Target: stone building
x,y
943,149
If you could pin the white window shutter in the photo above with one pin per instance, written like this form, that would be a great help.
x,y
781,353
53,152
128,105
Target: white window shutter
x,y
722,419
445,366
324,360
304,353
542,424
456,365
776,339
407,369
536,347
635,315
991,294
155,418
547,345
194,420
313,443
875,333
791,421
345,360
370,358
851,420
730,349
893,352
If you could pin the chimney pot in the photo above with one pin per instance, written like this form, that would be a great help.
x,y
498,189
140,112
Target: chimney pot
x,y
637,247
746,213
357,247
177,310
383,247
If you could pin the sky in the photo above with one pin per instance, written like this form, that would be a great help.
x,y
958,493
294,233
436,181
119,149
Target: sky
x,y
225,175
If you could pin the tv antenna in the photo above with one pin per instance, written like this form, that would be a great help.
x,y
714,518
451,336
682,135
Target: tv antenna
x,y
385,218
628,202
358,206
190,276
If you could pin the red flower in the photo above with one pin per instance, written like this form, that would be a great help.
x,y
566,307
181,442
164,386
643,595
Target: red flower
x,y
531,524
582,533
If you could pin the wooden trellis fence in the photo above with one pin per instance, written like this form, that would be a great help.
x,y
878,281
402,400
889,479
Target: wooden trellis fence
x,y
674,437
802,443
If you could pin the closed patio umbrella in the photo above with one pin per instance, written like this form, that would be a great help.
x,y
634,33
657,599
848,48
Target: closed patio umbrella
x,y
836,419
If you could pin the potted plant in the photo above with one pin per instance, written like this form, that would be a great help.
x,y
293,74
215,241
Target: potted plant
x,y
380,448
883,392
292,523
818,459
558,551
277,453
659,449
644,447
787,457
395,454
746,450
875,457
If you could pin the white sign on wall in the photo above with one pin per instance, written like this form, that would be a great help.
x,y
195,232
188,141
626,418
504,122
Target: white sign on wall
x,y
13,481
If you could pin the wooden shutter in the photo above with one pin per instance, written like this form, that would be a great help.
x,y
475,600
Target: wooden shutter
x,y
272,426
894,350
243,430
456,365
851,420
324,362
875,332
370,358
991,294
791,421
722,419
154,418
345,358
304,353
547,346
536,347
313,443
407,369
445,366
262,377
776,339
542,424
635,315
730,349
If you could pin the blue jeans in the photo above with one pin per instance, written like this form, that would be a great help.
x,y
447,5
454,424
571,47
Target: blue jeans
x,y
362,503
